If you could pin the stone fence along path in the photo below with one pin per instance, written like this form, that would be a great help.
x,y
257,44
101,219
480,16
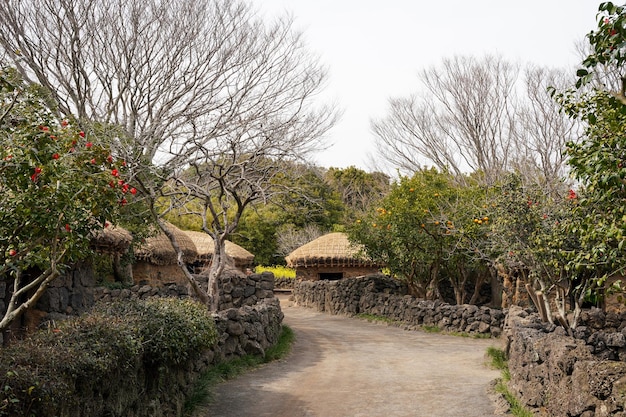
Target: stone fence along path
x,y
343,366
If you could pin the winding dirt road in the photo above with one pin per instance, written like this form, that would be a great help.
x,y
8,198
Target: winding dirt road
x,y
346,367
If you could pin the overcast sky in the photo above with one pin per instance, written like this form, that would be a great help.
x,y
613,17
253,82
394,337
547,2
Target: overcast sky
x,y
375,48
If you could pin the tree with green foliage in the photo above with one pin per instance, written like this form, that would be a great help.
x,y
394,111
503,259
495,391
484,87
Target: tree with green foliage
x,y
424,230
531,240
59,186
359,190
598,163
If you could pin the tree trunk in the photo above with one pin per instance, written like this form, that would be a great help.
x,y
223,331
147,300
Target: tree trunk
x,y
122,270
432,291
15,308
202,295
496,288
478,283
217,267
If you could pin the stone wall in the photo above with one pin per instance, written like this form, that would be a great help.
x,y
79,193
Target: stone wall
x,y
558,375
284,283
247,330
237,290
382,296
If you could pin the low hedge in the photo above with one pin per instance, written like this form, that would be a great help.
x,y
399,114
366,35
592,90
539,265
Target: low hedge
x,y
111,352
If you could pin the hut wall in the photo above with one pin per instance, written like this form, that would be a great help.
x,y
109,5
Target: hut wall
x,y
145,273
313,274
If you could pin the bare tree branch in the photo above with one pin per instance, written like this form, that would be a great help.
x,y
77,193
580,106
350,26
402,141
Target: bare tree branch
x,y
200,86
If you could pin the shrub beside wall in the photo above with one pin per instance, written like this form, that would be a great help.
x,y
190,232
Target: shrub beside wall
x,y
122,359
382,296
131,358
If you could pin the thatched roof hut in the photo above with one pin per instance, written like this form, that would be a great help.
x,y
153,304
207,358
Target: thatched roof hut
x,y
331,256
112,239
158,250
204,246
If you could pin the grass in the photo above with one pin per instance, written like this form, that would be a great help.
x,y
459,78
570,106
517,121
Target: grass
x,y
201,394
278,271
498,361
374,317
431,329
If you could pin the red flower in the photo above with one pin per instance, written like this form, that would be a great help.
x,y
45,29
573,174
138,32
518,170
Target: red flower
x,y
571,195
88,144
55,156
93,161
123,202
133,191
125,188
35,175
12,252
115,173
64,123
109,159
81,134
112,184
68,228
44,128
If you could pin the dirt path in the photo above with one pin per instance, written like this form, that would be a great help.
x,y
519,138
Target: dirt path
x,y
343,367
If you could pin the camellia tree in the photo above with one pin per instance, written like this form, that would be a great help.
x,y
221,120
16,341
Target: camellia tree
x,y
599,162
533,247
59,187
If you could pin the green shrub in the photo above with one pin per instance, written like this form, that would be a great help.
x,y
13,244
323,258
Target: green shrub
x,y
170,329
46,373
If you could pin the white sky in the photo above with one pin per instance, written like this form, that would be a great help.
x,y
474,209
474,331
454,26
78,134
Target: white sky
x,y
375,48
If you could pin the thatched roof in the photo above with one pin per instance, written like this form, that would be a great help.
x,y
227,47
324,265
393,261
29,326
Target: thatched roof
x,y
158,250
204,245
331,250
112,239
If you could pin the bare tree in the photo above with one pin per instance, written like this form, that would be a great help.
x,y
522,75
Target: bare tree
x,y
290,238
463,120
202,84
543,130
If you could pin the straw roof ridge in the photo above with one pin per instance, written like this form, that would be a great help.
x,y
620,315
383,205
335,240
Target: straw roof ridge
x,y
111,239
205,248
158,249
332,249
